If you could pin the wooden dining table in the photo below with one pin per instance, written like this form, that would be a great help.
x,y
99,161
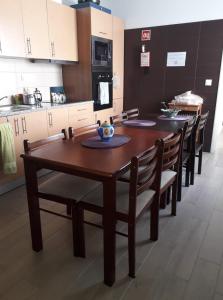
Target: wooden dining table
x,y
104,165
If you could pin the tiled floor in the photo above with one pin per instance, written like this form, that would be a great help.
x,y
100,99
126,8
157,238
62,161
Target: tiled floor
x,y
186,262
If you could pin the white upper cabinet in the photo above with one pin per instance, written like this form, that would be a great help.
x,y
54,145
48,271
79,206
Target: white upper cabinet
x,y
11,29
36,28
62,22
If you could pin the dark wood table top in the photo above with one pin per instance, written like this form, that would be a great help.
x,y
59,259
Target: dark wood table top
x,y
100,162
165,125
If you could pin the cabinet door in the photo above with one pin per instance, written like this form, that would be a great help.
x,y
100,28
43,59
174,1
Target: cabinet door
x,y
34,126
104,115
118,57
11,29
63,43
117,106
81,115
36,28
57,120
101,24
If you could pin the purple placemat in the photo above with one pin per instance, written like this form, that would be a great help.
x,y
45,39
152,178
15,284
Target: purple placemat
x,y
96,143
177,118
139,123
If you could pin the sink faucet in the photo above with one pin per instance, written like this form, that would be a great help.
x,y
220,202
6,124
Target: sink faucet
x,y
3,98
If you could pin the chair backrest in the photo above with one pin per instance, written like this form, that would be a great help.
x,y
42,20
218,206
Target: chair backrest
x,y
83,130
28,146
201,123
145,173
172,151
118,119
189,134
132,113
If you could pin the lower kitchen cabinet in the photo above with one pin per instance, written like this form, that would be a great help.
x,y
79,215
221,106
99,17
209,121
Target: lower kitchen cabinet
x,y
81,115
117,106
104,115
31,126
57,119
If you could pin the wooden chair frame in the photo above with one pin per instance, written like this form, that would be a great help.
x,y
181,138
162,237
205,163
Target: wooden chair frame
x,y
149,177
118,119
132,113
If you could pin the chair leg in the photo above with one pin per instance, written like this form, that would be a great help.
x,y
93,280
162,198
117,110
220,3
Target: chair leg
x,y
179,188
192,169
131,249
174,198
69,209
200,156
163,200
154,220
187,177
78,231
168,196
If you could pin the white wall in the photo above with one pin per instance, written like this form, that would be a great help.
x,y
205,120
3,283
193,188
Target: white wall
x,y
16,74
146,13
218,112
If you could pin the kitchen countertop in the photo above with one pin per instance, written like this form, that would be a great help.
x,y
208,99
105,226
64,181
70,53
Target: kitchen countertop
x,y
44,106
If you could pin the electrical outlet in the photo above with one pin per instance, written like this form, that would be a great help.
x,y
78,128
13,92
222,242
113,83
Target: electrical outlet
x,y
208,82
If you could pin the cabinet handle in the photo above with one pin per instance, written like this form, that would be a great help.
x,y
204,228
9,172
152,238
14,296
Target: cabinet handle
x,y
24,129
50,119
28,45
103,32
82,119
16,124
82,109
53,49
0,46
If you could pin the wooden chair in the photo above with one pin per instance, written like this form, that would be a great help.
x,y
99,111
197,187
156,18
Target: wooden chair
x,y
133,198
118,119
132,113
62,188
83,130
170,169
199,143
171,166
187,153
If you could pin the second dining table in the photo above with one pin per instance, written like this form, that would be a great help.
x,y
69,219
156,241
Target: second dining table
x,y
104,165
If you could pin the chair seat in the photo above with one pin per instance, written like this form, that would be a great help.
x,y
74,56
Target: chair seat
x,y
122,196
68,186
126,176
167,176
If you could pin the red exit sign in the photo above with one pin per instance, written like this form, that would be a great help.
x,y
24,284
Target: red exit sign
x,y
146,35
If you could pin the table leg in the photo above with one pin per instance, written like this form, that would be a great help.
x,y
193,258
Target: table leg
x,y
109,195
33,204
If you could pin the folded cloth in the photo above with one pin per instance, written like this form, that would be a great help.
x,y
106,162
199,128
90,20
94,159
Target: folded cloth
x,y
103,92
7,149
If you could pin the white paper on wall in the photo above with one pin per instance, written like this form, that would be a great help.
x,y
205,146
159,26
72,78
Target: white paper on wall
x,y
176,59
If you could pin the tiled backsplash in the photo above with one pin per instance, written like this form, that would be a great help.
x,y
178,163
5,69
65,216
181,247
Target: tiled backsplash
x,y
16,74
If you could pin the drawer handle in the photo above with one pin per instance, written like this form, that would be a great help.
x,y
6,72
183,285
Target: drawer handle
x,y
24,129
103,32
82,109
82,119
16,124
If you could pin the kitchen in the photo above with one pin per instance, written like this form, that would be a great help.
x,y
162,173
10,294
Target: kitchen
x,y
53,77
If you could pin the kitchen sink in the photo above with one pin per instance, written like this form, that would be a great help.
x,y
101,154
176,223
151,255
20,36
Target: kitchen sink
x,y
14,108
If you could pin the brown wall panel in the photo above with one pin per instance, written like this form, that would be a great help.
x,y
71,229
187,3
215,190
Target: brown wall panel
x,y
146,88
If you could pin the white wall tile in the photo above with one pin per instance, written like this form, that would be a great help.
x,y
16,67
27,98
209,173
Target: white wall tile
x,y
16,74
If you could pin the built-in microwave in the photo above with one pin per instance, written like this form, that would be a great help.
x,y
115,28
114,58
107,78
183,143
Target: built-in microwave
x,y
101,52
